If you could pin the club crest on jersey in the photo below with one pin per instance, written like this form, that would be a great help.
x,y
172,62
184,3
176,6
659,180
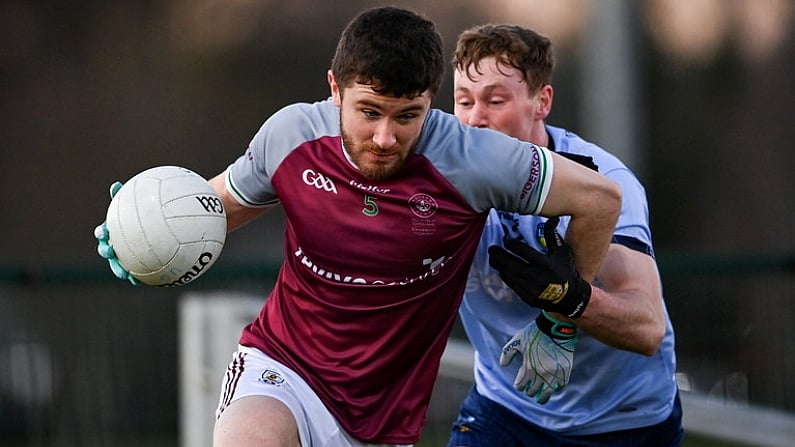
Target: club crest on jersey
x,y
423,205
271,377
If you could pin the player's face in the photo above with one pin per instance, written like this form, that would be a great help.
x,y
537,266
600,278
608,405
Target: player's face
x,y
379,132
500,99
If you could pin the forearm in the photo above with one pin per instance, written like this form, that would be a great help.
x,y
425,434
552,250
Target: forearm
x,y
624,320
626,311
593,201
589,237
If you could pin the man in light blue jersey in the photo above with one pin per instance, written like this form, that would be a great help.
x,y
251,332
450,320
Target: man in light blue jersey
x,y
605,378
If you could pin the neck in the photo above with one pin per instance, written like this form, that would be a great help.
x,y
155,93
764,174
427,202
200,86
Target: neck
x,y
539,135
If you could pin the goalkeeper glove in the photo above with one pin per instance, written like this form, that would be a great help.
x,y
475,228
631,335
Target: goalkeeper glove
x,y
546,281
106,250
546,347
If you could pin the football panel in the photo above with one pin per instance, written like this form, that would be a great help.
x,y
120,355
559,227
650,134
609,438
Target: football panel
x,y
191,261
198,228
127,236
156,242
185,184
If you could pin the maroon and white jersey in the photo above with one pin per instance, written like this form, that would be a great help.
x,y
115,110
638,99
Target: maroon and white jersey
x,y
374,271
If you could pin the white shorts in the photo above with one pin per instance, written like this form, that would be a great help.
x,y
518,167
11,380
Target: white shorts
x,y
253,373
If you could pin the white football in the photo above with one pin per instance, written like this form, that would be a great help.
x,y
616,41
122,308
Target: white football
x,y
167,226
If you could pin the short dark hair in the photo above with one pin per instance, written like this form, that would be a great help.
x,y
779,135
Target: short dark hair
x,y
513,46
396,51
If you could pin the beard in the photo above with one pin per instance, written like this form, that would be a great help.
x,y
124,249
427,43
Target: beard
x,y
373,170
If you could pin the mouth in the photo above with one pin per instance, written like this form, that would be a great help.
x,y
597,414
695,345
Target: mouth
x,y
382,154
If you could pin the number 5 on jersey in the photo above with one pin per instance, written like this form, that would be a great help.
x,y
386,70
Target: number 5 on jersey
x,y
370,207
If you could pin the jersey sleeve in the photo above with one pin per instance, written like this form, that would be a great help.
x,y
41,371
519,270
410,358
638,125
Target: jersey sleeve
x,y
633,222
249,177
490,169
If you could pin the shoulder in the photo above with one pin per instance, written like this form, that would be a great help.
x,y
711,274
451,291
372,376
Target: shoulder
x,y
609,165
444,138
633,220
453,147
568,141
489,168
322,115
296,123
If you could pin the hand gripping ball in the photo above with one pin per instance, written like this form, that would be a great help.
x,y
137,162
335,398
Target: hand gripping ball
x,y
167,226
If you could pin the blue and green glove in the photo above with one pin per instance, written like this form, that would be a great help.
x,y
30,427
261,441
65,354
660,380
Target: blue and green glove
x,y
546,347
106,250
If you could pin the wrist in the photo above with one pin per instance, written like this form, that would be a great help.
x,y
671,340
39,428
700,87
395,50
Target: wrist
x,y
555,327
583,295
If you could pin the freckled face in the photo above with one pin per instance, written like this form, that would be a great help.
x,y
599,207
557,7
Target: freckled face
x,y
379,132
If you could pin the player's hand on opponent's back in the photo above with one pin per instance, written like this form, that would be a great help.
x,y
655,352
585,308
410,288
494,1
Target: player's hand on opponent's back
x,y
546,348
106,250
547,281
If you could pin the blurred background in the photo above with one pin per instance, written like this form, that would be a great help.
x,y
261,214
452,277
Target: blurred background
x,y
695,95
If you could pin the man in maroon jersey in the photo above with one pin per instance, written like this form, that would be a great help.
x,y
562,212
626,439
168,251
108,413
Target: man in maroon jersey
x,y
385,200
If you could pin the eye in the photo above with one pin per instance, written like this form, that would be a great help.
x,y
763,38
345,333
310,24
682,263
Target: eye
x,y
406,117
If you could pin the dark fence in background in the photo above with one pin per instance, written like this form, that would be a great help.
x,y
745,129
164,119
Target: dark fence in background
x,y
86,360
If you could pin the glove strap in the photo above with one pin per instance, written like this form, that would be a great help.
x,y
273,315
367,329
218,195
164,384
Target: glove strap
x,y
561,330
583,292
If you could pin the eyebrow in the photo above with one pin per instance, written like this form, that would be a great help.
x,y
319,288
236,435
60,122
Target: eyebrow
x,y
376,105
487,89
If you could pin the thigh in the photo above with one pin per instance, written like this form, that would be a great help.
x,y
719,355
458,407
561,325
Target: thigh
x,y
260,394
256,421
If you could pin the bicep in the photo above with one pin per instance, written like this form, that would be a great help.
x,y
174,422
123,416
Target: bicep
x,y
577,190
626,309
627,270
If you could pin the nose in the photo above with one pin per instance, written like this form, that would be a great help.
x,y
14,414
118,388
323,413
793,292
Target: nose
x,y
384,135
478,116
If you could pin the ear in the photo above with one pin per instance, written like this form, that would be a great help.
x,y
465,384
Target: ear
x,y
545,95
335,89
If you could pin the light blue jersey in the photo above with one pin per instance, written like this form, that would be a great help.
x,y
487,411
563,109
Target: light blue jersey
x,y
610,389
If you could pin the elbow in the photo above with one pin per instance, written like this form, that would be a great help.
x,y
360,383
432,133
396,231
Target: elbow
x,y
605,199
652,342
613,199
